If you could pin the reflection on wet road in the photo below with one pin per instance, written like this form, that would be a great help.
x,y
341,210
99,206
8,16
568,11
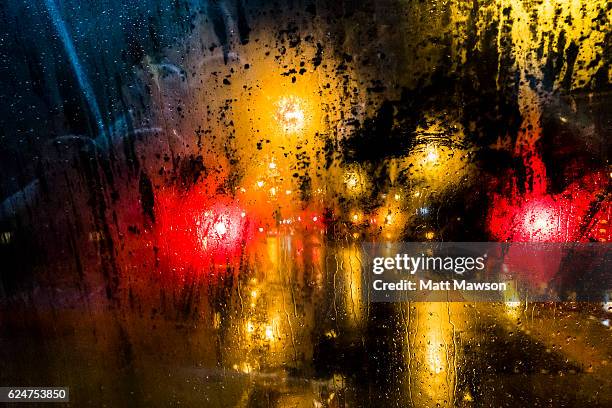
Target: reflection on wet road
x,y
290,328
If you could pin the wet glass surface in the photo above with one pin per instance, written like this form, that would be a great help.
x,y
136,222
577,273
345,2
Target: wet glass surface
x,y
186,186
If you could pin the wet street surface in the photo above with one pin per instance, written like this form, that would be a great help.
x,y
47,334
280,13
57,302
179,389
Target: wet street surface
x,y
292,329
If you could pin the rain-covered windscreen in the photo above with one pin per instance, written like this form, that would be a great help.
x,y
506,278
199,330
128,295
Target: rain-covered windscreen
x,y
191,190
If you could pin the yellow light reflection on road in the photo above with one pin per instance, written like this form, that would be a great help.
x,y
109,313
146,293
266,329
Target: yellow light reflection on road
x,y
265,331
431,343
351,267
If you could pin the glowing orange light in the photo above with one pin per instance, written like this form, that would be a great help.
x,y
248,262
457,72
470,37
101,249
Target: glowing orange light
x,y
431,154
290,114
269,333
250,327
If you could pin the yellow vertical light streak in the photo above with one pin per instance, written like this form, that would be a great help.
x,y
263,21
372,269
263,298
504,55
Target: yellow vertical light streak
x,y
351,264
433,352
